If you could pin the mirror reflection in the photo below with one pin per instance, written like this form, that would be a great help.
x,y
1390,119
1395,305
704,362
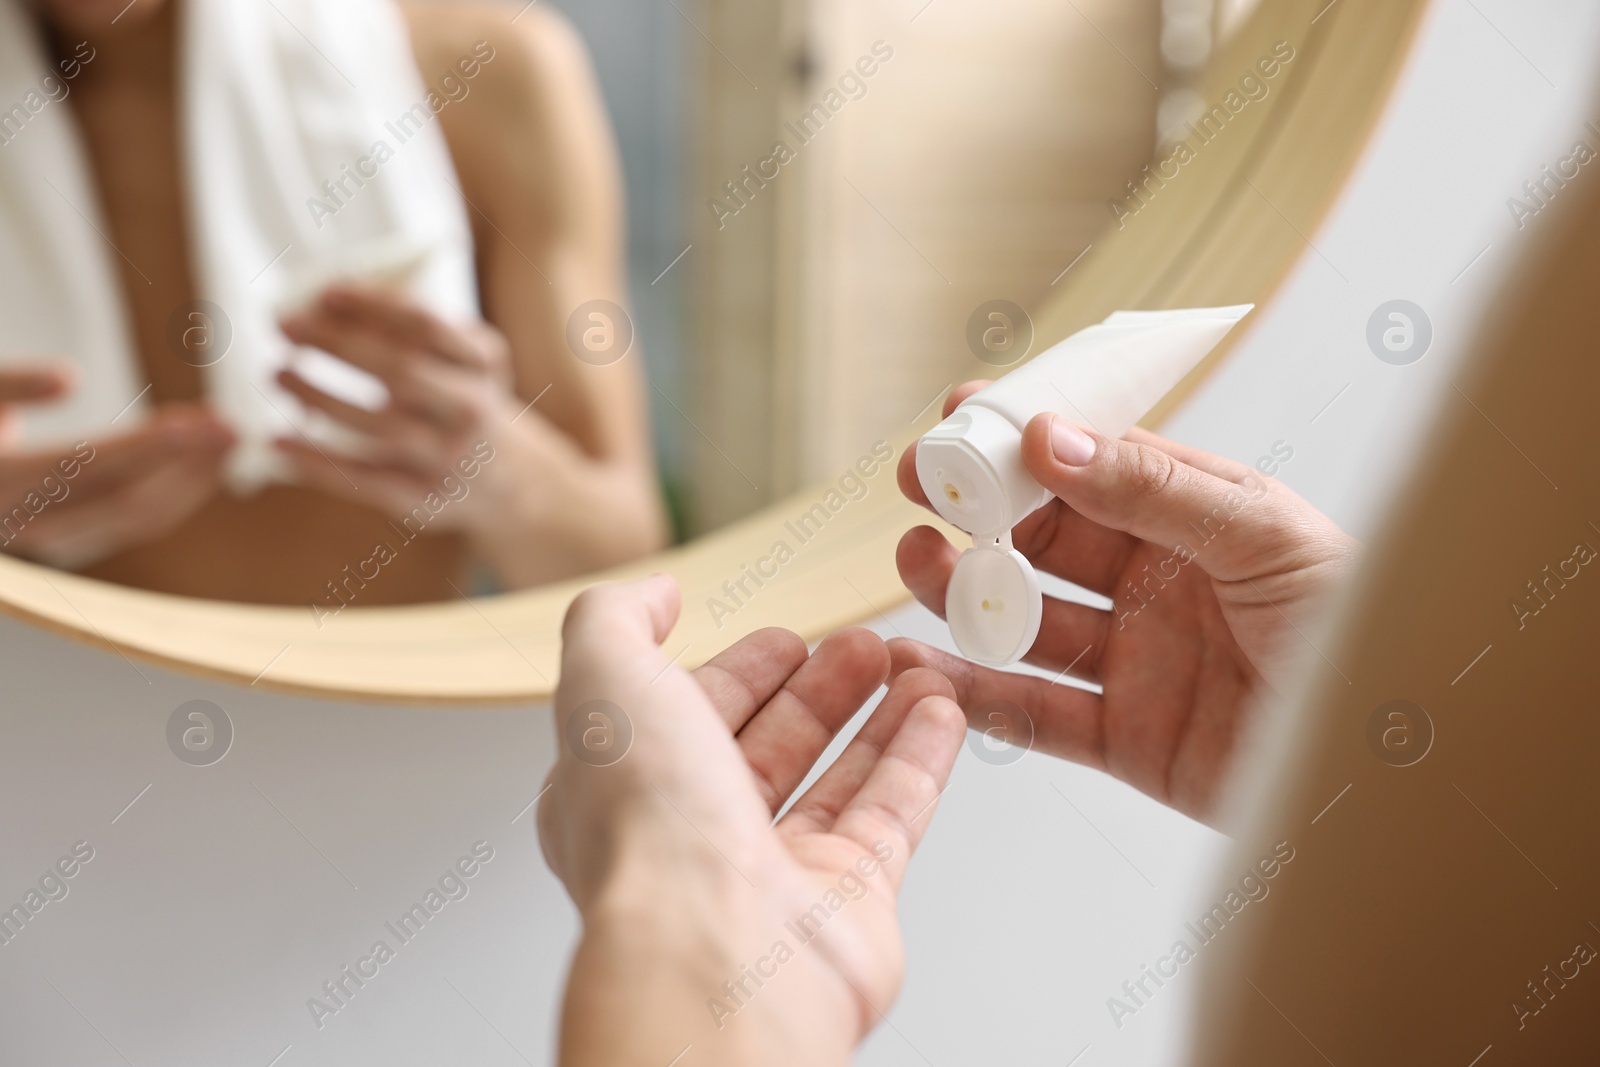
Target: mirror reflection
x,y
349,303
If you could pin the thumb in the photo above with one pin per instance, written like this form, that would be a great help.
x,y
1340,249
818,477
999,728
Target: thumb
x,y
618,623
1231,523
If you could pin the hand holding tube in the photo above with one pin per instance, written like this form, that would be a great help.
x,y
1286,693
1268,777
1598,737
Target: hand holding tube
x,y
1197,627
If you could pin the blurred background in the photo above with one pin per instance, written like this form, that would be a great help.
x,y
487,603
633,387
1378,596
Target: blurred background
x,y
789,321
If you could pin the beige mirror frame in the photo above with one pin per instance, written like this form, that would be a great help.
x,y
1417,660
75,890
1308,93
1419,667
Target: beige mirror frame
x,y
1225,230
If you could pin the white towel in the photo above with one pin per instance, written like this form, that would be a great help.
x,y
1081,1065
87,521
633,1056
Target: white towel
x,y
277,97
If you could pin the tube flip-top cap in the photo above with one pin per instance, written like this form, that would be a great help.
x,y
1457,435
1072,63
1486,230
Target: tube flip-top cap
x,y
970,465
994,603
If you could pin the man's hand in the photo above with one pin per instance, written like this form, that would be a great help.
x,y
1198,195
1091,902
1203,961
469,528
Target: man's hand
x,y
1210,567
686,885
449,388
70,507
538,506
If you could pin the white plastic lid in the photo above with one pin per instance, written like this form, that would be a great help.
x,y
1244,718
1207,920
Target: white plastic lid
x,y
970,466
994,604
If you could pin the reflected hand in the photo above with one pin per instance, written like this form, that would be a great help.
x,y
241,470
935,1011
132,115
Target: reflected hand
x,y
1210,566
533,502
672,855
450,403
71,507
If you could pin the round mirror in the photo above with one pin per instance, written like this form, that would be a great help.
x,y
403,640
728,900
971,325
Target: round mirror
x,y
449,311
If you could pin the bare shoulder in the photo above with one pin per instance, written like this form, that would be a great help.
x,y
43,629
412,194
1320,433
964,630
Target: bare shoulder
x,y
504,68
523,59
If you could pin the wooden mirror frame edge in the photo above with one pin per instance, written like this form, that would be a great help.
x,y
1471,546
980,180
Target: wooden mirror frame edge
x,y
1221,234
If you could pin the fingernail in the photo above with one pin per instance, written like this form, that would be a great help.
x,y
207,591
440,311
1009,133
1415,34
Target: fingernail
x,y
1071,446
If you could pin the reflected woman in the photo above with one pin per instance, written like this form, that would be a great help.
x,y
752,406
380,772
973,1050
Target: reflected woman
x,y
320,301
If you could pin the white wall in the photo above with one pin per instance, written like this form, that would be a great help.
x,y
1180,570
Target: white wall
x,y
219,902
1022,920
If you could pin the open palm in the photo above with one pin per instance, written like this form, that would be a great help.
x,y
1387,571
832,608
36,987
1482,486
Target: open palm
x,y
715,756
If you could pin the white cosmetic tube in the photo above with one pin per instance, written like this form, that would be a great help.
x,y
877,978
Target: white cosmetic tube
x,y
1105,378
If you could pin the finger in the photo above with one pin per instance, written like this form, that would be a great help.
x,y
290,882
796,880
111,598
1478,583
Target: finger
x,y
104,466
417,444
353,342
76,533
24,471
1147,492
1066,721
925,560
364,420
1063,542
819,808
906,469
45,381
891,811
1069,632
401,317
905,475
787,736
961,393
626,617
1056,538
446,396
744,676
611,645
393,491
